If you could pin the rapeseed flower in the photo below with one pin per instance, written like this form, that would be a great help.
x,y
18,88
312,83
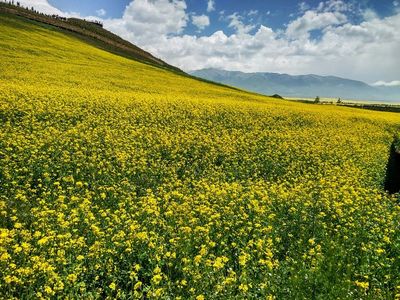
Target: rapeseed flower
x,y
119,180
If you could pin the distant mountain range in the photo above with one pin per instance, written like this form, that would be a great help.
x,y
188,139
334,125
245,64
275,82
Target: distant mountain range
x,y
307,86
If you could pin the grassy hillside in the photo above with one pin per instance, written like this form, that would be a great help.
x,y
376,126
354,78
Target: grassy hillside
x,y
122,180
89,32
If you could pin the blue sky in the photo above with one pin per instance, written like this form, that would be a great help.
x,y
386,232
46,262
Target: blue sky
x,y
274,14
348,38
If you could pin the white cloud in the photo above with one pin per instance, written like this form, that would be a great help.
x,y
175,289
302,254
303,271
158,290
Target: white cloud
x,y
384,83
101,12
147,22
210,5
235,21
253,12
312,20
45,7
303,6
200,22
396,3
42,6
369,14
367,51
336,6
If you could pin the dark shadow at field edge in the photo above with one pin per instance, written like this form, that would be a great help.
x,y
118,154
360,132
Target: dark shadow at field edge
x,y
392,179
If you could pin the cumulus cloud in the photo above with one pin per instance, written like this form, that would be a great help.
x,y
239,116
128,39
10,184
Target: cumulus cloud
x,y
210,5
369,14
45,7
42,6
254,12
236,22
365,51
200,22
303,6
336,6
101,12
312,20
147,22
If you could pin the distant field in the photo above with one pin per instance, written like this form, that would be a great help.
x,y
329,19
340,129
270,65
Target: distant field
x,y
360,104
334,100
120,180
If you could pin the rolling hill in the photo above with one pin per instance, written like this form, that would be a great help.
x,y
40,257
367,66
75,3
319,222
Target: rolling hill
x,y
90,32
123,180
308,86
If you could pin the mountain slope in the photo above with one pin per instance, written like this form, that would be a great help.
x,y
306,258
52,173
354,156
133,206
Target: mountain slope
x,y
299,86
91,33
122,180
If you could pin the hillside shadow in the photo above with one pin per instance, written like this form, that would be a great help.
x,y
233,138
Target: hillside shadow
x,y
392,179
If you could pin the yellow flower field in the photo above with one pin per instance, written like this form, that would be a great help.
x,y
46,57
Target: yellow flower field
x,y
119,180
